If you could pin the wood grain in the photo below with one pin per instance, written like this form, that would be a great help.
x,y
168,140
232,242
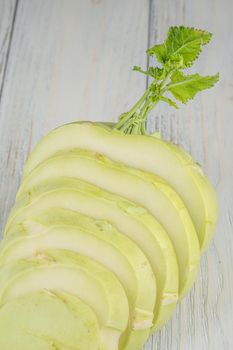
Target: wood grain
x,y
7,17
65,60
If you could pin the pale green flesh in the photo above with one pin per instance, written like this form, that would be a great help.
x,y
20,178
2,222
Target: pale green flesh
x,y
130,219
147,153
97,240
39,321
62,270
146,189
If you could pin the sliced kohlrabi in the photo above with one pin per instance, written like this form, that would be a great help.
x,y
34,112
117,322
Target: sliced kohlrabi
x,y
99,240
128,217
65,271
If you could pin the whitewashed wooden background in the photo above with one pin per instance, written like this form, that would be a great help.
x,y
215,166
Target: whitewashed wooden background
x,y
63,60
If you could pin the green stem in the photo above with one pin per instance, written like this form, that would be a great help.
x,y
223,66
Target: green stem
x,y
135,129
153,105
144,110
126,116
134,121
143,128
125,126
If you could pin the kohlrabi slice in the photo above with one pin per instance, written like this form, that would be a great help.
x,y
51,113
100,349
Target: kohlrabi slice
x,y
99,240
63,270
148,153
48,320
128,217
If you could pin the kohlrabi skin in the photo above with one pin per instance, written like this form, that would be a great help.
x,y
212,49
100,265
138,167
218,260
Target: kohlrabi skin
x,y
76,284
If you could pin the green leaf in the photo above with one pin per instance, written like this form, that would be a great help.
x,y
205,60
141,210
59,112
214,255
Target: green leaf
x,y
153,72
159,51
185,87
185,41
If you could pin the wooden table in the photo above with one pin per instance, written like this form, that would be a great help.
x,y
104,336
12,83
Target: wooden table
x,y
63,60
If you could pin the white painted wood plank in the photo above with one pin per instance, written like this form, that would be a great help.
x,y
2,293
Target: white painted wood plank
x,y
70,60
7,17
204,320
7,11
